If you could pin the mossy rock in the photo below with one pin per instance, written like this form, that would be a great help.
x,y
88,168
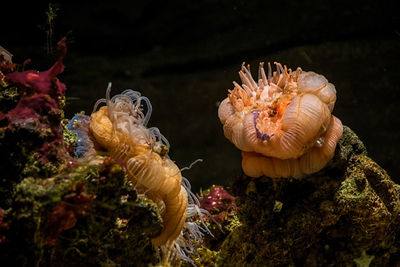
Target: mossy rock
x,y
87,215
346,215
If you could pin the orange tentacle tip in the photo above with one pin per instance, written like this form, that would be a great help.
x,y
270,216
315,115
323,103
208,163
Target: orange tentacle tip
x,y
282,122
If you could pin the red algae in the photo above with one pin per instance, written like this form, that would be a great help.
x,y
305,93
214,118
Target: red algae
x,y
218,200
40,89
45,82
32,112
65,215
219,203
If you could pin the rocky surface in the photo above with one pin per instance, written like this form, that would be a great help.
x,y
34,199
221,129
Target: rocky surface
x,y
56,210
88,215
348,214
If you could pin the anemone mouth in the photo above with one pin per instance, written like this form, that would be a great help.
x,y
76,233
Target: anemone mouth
x,y
272,89
262,136
267,119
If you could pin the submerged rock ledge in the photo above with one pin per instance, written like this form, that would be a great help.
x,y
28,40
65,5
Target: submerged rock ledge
x,y
346,215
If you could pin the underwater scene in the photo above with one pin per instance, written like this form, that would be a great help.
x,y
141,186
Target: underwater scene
x,y
207,133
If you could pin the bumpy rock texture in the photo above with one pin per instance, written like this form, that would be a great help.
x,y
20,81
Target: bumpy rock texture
x,y
54,209
346,215
31,134
87,216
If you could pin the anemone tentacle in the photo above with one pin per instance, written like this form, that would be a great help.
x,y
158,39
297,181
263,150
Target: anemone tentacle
x,y
120,127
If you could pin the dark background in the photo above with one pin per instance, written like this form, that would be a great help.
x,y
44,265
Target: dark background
x,y
184,55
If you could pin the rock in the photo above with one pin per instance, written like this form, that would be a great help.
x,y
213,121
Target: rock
x,y
88,215
341,216
56,210
31,133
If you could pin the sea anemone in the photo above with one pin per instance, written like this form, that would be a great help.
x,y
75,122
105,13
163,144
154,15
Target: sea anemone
x,y
120,128
283,122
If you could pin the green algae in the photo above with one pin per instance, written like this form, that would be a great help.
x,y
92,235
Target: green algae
x,y
8,97
70,138
327,219
206,257
88,215
56,209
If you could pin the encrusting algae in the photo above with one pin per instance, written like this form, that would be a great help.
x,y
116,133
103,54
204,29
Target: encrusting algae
x,y
31,111
55,209
345,214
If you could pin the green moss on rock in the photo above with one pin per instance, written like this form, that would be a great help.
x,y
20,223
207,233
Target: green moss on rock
x,y
70,138
332,218
54,209
88,215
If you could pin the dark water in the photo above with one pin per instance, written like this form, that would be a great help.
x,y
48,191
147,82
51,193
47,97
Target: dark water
x,y
185,55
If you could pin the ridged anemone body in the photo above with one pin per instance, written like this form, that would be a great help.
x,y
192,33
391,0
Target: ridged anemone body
x,y
283,122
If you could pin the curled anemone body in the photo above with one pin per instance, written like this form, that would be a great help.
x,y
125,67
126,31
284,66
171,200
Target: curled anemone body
x,y
283,122
120,128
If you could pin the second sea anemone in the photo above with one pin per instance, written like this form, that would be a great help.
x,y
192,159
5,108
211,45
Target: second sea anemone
x,y
283,122
120,127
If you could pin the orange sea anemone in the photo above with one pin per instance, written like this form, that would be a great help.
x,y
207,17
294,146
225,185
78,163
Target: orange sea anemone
x,y
283,122
120,127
